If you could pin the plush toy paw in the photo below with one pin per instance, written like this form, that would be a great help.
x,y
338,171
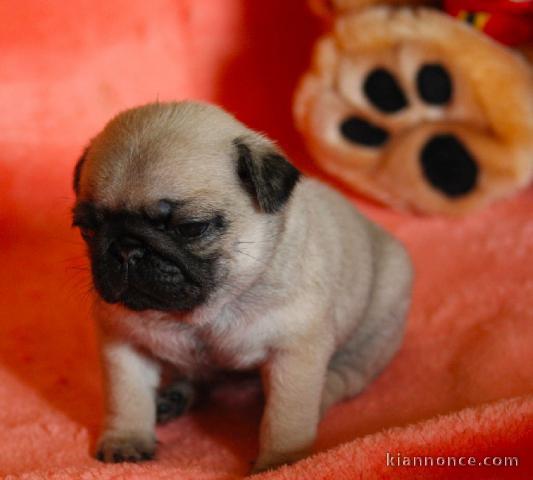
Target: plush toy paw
x,y
174,400
115,447
402,101
418,110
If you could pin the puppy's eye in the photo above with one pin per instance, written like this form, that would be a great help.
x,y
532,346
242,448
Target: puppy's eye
x,y
192,229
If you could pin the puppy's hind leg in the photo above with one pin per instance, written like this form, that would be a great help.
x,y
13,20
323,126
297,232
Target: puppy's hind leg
x,y
174,400
362,358
380,334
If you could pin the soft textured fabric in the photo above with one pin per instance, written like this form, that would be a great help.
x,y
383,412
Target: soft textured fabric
x,y
417,109
461,384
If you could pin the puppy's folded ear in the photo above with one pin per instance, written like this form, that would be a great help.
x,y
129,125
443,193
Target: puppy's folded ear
x,y
265,173
77,171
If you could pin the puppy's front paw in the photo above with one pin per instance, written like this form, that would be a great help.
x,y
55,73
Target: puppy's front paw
x,y
125,447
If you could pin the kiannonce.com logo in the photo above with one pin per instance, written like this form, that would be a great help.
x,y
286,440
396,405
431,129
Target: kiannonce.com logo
x,y
399,460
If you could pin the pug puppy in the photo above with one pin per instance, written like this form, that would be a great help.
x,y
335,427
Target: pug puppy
x,y
211,252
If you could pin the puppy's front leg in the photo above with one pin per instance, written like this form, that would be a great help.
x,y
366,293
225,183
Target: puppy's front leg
x,y
293,383
131,381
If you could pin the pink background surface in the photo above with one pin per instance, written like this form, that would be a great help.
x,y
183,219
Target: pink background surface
x,y
461,384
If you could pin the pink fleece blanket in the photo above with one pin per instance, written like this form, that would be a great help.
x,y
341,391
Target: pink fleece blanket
x,y
460,387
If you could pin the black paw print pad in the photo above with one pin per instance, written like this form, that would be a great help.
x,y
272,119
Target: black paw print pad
x,y
445,162
383,91
434,84
358,130
448,165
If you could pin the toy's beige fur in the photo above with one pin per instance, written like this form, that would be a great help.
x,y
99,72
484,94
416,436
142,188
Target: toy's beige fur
x,y
316,295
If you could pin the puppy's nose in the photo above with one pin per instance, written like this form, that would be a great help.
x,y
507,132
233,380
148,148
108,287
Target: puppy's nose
x,y
127,249
449,166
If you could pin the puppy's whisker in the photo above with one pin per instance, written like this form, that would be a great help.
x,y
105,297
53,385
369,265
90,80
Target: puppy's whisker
x,y
251,256
259,242
231,289
76,258
82,273
252,241
74,262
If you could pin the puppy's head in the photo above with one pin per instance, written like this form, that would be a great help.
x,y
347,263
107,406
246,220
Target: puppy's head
x,y
176,202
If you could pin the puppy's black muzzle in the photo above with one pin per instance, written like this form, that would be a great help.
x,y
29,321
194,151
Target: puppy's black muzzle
x,y
136,264
127,250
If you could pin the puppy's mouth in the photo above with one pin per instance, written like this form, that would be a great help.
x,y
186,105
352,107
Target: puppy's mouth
x,y
137,299
142,279
144,287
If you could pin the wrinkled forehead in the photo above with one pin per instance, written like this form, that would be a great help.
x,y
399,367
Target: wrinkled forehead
x,y
135,171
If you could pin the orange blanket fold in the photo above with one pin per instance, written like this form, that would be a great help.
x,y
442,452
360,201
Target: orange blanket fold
x,y
462,385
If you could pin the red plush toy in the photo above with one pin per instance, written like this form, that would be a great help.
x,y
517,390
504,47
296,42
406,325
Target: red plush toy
x,y
508,21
